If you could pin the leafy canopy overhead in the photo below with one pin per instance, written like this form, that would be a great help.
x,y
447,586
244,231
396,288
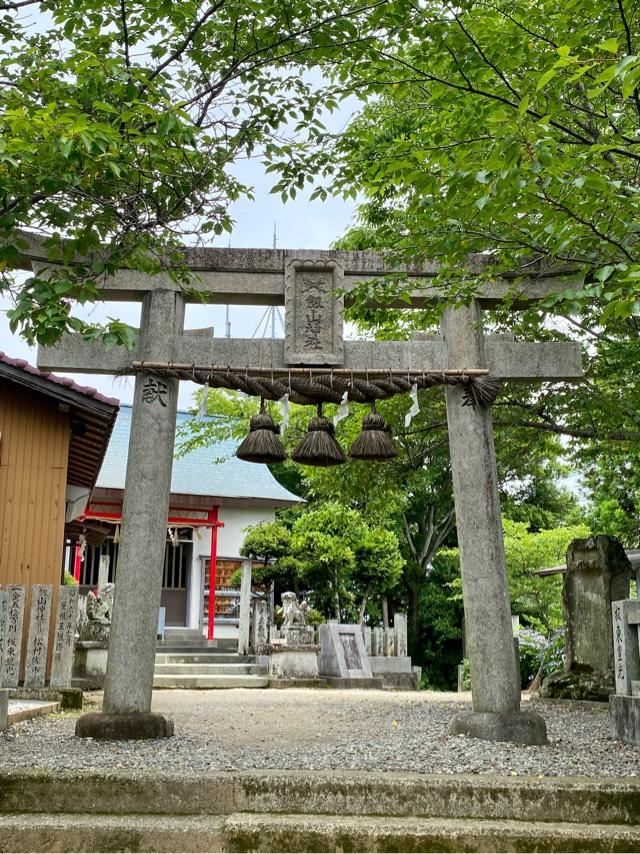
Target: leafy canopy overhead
x,y
504,126
120,123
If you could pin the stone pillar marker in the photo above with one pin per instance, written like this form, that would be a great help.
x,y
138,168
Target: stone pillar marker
x,y
3,631
64,637
244,616
366,634
625,618
4,708
377,648
38,643
400,626
495,682
389,643
103,571
132,646
13,637
260,634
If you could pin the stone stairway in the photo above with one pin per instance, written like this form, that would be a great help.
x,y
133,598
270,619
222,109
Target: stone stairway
x,y
314,811
202,667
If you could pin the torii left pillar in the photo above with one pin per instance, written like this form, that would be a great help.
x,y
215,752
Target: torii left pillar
x,y
126,711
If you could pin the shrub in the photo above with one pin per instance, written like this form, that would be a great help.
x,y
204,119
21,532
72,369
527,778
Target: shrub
x,y
532,649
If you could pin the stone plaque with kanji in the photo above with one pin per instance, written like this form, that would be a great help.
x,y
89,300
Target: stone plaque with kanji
x,y
313,313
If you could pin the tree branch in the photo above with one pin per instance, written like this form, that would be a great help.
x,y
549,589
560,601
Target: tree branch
x,y
188,39
125,34
573,432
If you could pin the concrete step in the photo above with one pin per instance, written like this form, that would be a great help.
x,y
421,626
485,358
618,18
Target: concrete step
x,y
203,658
259,832
580,800
73,832
181,633
195,646
206,669
205,681
266,832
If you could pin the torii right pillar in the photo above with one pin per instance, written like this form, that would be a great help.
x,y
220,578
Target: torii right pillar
x,y
495,681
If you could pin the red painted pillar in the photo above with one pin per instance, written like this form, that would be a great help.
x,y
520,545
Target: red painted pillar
x,y
77,562
213,518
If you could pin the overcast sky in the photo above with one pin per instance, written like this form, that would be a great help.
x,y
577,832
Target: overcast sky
x,y
300,225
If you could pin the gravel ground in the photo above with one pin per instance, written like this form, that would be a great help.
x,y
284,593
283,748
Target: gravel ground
x,y
244,729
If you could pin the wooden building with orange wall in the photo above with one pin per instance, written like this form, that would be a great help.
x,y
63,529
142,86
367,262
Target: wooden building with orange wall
x,y
53,438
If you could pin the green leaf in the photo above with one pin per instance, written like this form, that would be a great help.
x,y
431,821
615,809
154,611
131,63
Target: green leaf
x,y
545,78
604,272
610,45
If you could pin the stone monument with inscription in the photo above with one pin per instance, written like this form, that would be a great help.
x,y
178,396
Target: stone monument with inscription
x,y
13,636
342,652
64,637
35,667
624,705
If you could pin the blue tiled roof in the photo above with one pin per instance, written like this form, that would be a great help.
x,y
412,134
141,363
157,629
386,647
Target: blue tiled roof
x,y
211,471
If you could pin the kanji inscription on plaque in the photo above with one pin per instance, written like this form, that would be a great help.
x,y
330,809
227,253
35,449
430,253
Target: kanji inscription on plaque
x,y
313,312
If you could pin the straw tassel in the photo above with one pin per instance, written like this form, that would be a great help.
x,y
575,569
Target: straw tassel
x,y
374,442
318,446
262,444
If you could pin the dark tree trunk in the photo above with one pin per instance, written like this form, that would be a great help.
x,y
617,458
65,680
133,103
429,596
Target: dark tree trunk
x,y
414,621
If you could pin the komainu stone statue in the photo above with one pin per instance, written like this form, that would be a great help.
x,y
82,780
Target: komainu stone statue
x,y
99,611
294,612
294,625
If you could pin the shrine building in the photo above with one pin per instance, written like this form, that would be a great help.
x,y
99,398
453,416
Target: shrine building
x,y
215,497
53,438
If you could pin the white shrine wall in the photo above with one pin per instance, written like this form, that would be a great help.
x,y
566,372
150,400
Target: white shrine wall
x,y
236,520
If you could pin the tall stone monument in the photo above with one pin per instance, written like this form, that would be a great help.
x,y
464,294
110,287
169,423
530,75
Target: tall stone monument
x,y
38,643
63,638
598,573
624,704
306,282
13,635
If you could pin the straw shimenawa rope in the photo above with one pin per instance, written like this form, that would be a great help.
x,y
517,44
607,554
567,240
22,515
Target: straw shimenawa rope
x,y
312,388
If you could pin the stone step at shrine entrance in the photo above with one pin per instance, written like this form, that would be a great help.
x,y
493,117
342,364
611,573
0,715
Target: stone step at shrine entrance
x,y
461,358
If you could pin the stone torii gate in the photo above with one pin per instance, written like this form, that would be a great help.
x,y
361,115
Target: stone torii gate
x,y
306,282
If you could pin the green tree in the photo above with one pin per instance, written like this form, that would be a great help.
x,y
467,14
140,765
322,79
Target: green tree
x,y
538,599
508,128
269,544
342,560
121,121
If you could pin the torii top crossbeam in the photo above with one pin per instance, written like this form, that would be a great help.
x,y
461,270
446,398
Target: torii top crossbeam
x,y
257,276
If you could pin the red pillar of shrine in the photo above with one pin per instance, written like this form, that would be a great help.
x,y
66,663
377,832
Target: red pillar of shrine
x,y
77,563
215,524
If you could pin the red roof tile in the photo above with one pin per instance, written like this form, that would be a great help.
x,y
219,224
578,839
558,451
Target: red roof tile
x,y
23,365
